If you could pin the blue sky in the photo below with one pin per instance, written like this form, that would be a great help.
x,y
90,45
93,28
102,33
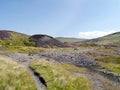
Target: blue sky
x,y
66,18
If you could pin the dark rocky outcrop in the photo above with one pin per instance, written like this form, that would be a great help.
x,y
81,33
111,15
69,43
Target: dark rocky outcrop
x,y
46,41
74,57
4,35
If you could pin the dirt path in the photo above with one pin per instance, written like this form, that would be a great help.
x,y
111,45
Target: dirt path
x,y
39,85
98,81
25,60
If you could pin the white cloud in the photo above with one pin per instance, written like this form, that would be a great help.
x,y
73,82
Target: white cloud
x,y
94,34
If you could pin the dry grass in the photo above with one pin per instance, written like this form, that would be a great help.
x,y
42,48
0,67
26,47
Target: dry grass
x,y
58,76
14,76
112,67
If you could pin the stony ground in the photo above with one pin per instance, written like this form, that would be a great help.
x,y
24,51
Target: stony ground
x,y
98,81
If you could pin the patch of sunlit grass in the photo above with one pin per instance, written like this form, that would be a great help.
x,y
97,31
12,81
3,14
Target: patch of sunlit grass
x,y
59,77
112,67
14,76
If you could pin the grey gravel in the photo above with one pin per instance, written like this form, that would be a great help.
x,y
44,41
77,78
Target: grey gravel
x,y
75,57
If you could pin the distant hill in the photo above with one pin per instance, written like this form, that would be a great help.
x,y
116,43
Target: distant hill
x,y
11,38
69,40
111,39
46,41
4,35
14,39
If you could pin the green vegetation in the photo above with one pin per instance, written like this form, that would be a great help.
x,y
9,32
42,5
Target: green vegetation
x,y
109,59
112,67
28,49
61,76
23,49
110,62
112,39
73,68
13,76
17,39
69,40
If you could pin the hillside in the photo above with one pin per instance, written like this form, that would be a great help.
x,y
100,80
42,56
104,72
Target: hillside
x,y
69,40
111,39
46,41
11,38
4,35
14,76
108,40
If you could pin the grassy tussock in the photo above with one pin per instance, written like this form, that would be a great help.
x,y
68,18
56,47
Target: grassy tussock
x,y
22,49
59,77
110,62
112,67
73,68
26,49
14,76
109,59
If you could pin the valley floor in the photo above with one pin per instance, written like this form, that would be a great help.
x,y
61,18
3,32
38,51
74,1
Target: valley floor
x,y
55,60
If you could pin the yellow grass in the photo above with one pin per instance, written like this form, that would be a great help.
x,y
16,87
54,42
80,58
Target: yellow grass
x,y
59,77
14,76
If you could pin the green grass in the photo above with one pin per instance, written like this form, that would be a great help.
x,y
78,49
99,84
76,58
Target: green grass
x,y
28,49
22,49
73,68
59,77
110,62
25,49
111,39
112,67
115,59
13,76
17,39
69,40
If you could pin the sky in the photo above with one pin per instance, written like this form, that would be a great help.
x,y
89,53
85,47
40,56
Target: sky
x,y
61,18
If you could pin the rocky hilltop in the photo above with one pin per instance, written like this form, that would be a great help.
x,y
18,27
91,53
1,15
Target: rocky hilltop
x,y
46,41
4,35
11,38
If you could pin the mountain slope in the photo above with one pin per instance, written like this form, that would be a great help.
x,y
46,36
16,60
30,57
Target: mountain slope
x,y
111,39
70,40
4,35
11,38
46,41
